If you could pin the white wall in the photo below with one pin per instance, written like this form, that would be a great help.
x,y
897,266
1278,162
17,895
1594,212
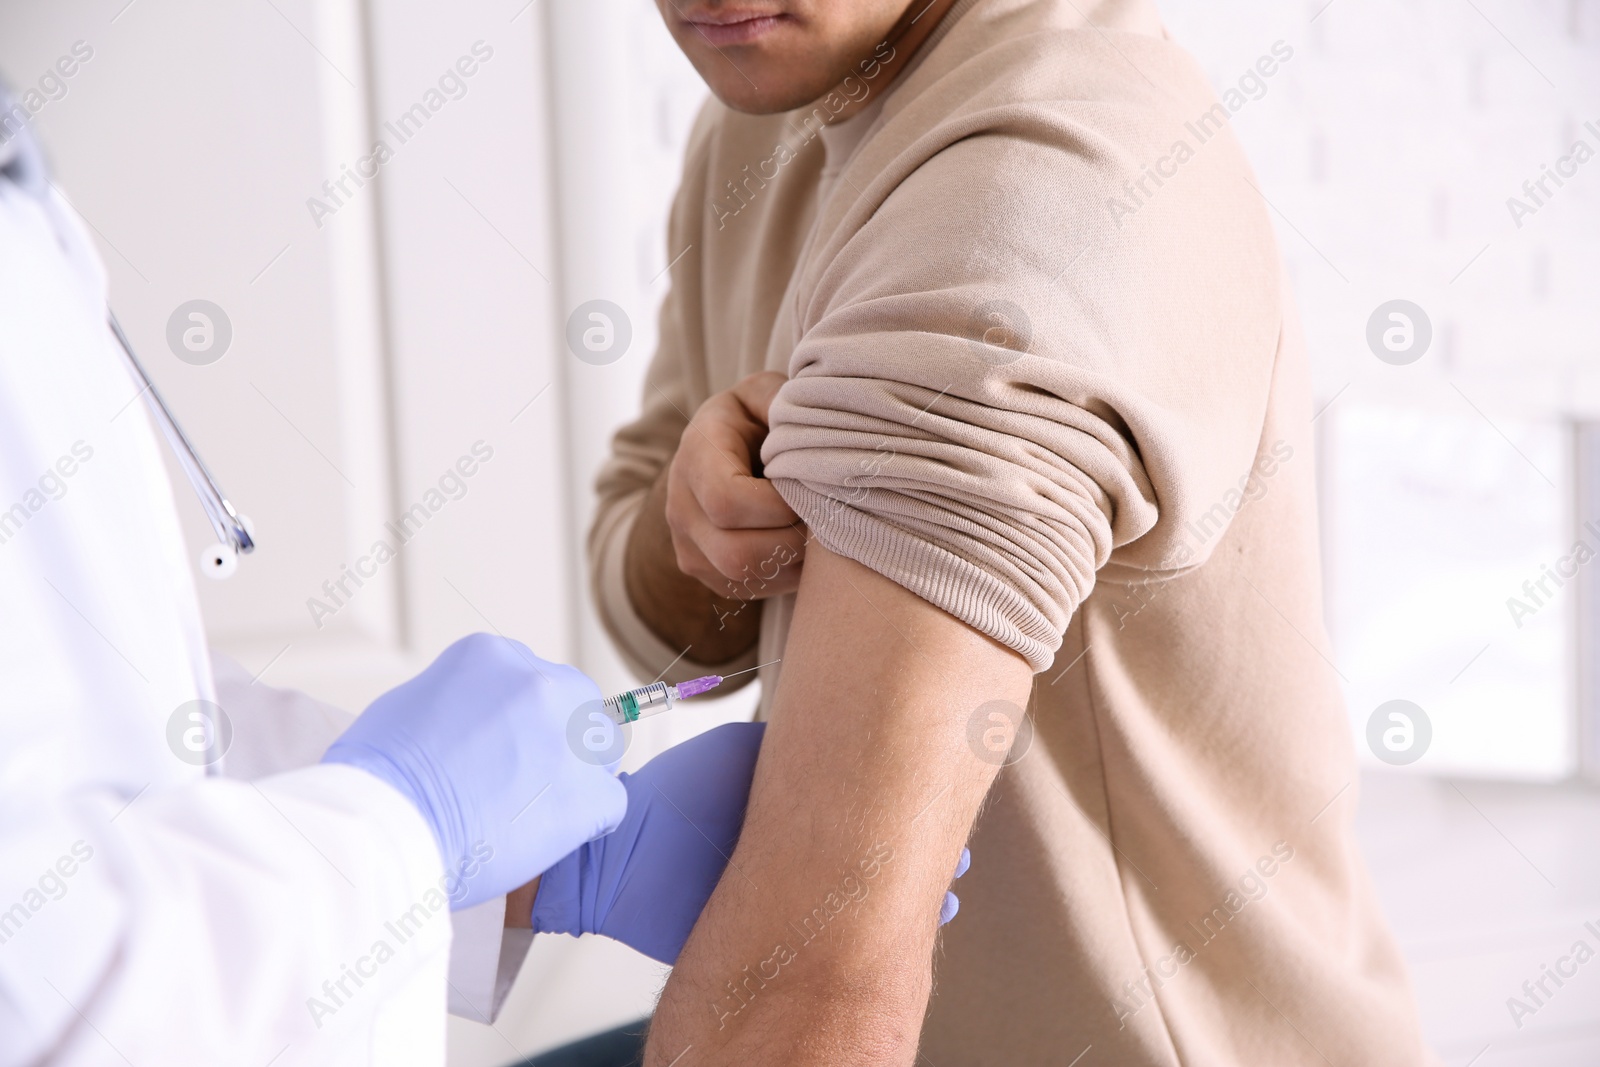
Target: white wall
x,y
369,352
1387,148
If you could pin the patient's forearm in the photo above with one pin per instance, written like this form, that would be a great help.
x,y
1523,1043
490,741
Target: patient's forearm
x,y
679,609
816,946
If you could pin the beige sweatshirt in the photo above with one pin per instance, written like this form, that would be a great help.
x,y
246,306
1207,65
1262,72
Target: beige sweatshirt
x,y
1045,373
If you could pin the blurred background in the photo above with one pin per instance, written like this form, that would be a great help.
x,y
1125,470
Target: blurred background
x,y
1429,163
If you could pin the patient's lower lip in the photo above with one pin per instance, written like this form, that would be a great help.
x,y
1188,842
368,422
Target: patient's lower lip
x,y
721,34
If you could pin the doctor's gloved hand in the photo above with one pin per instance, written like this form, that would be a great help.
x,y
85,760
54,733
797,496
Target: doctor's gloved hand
x,y
477,742
952,903
646,883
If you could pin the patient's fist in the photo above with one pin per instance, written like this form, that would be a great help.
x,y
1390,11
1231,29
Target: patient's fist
x,y
730,528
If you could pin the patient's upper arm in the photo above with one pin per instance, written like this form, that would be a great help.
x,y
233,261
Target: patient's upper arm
x,y
818,941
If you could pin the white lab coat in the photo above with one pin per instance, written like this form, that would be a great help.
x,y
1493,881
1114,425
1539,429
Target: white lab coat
x,y
153,912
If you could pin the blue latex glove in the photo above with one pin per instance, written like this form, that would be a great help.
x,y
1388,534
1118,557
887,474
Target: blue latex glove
x,y
952,903
646,884
478,743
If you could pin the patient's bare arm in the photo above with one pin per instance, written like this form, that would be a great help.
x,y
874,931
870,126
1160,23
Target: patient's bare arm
x,y
816,947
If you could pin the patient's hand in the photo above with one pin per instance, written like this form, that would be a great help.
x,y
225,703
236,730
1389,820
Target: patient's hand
x,y
730,528
713,537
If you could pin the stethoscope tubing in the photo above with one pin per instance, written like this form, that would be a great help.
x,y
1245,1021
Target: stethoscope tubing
x,y
22,163
229,527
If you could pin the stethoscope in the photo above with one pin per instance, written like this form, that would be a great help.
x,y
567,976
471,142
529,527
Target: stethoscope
x,y
233,529
22,162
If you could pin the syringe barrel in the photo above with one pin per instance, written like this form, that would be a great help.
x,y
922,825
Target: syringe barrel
x,y
638,703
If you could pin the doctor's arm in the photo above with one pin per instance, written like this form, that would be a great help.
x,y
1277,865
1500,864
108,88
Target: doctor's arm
x,y
643,884
280,730
307,910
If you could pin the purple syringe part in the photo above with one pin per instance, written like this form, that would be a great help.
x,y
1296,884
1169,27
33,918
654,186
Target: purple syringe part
x,y
653,699
695,686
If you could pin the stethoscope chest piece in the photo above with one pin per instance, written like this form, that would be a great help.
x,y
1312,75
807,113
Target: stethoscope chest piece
x,y
234,531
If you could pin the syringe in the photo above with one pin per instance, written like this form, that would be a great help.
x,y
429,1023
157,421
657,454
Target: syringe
x,y
657,697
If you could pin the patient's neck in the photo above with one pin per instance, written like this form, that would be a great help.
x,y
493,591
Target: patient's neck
x,y
914,27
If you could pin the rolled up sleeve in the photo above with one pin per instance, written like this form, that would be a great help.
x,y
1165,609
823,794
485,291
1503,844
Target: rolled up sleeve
x,y
985,419
988,498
